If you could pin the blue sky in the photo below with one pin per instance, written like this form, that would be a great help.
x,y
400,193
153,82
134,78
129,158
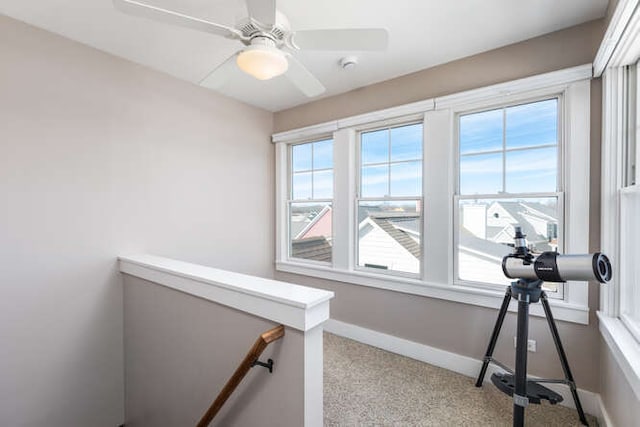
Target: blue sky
x,y
312,183
399,144
392,158
531,170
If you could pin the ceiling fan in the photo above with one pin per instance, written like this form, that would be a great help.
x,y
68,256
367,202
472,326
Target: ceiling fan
x,y
268,40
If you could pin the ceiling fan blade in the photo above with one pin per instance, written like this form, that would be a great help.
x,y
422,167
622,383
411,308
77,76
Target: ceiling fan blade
x,y
263,11
221,74
347,39
303,79
135,8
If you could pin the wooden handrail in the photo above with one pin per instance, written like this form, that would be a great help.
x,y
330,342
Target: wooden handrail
x,y
247,363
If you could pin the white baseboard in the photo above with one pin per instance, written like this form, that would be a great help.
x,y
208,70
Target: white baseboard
x,y
591,402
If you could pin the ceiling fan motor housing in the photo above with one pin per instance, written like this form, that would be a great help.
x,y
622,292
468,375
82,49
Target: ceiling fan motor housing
x,y
252,29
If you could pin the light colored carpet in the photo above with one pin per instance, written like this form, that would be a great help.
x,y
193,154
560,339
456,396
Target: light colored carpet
x,y
366,386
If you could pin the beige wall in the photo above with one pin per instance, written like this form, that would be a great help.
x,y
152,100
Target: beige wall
x,y
566,48
180,350
101,157
461,328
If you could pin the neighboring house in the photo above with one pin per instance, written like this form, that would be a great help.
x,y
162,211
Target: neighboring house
x,y
312,236
319,225
486,235
480,260
313,248
496,221
390,240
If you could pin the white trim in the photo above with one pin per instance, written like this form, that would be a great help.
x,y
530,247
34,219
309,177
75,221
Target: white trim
x,y
313,378
616,30
282,196
302,134
344,176
576,170
387,114
296,306
445,359
516,87
624,347
438,219
469,295
613,130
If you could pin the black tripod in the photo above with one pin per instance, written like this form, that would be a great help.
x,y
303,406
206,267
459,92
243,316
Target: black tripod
x,y
524,391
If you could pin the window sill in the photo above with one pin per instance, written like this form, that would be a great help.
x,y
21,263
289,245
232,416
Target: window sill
x,y
450,292
624,347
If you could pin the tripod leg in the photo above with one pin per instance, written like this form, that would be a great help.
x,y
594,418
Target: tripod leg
x,y
520,400
563,357
494,336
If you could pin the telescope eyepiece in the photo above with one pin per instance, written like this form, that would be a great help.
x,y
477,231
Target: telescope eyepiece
x,y
602,267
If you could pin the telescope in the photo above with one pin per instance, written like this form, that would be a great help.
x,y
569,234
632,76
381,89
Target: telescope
x,y
552,266
530,272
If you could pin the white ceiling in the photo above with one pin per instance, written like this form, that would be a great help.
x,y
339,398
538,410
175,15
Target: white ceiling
x,y
422,33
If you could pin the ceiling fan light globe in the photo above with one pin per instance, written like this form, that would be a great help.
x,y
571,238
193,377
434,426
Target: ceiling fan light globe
x,y
262,62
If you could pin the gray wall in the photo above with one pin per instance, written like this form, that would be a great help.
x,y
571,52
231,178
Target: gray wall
x,y
100,157
180,350
461,328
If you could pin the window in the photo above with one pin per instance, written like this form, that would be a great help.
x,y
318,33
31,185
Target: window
x,y
310,207
422,198
389,219
630,211
617,62
507,176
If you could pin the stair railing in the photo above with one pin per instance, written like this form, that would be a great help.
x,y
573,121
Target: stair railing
x,y
249,361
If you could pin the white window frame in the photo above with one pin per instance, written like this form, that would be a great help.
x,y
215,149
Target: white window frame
x,y
620,47
559,193
388,124
439,166
291,200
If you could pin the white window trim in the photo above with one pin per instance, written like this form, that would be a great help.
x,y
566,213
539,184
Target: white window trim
x,y
619,48
289,192
384,124
439,113
543,94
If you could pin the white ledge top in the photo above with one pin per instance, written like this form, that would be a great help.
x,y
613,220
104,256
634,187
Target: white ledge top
x,y
297,306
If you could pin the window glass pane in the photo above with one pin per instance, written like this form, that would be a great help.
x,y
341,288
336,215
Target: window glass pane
x,y
301,157
481,131
323,184
389,235
486,231
375,181
406,143
323,154
532,171
532,124
481,174
375,146
310,230
629,255
406,179
301,186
